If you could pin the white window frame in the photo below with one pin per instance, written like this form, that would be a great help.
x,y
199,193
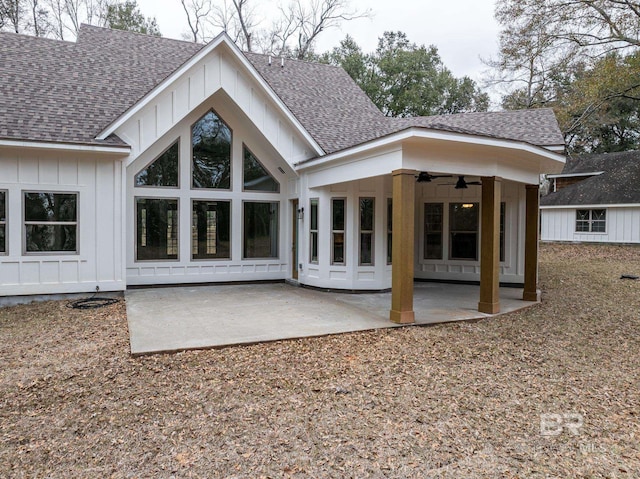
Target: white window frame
x,y
371,232
313,232
75,223
5,223
343,231
135,230
591,221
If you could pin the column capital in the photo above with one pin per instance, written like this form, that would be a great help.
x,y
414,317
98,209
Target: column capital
x,y
532,187
403,171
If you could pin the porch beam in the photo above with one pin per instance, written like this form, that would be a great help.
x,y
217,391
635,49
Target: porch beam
x,y
490,246
531,243
402,248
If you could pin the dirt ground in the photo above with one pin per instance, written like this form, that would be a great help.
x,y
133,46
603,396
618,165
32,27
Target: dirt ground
x,y
459,400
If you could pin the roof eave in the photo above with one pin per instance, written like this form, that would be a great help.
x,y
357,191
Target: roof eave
x,y
425,132
115,150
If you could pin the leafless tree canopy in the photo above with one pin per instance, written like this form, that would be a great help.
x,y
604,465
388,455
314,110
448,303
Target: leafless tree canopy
x,y
292,33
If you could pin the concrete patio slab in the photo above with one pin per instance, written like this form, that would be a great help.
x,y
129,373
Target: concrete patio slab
x,y
194,317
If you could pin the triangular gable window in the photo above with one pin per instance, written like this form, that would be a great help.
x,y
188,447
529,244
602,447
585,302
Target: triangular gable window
x,y
163,171
256,176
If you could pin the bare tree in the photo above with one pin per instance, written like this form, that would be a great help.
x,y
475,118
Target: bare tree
x,y
198,12
293,33
11,14
38,22
57,11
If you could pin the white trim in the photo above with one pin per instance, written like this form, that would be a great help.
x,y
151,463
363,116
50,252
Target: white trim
x,y
574,175
558,148
110,150
222,38
589,207
426,133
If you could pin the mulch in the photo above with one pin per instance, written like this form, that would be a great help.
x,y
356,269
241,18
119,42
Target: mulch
x,y
451,400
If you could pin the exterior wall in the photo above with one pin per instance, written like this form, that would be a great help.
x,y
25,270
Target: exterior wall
x,y
218,71
511,270
353,276
623,225
100,258
186,270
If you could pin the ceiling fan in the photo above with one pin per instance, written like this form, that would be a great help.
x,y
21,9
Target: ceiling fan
x,y
424,177
462,184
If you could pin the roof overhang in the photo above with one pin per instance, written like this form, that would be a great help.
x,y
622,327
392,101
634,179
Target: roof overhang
x,y
575,175
221,40
109,150
589,207
554,161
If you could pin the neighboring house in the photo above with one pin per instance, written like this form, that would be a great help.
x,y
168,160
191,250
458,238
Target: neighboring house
x,y
135,160
596,198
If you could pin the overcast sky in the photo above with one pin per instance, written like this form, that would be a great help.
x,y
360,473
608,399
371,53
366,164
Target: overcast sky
x,y
463,30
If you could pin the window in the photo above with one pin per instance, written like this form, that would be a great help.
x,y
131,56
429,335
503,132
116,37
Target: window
x,y
211,153
260,230
502,236
389,230
163,171
433,214
313,232
50,222
591,221
3,221
367,211
337,231
156,229
255,175
463,231
210,229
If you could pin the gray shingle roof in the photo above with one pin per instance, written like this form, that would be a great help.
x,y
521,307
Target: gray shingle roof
x,y
69,92
619,184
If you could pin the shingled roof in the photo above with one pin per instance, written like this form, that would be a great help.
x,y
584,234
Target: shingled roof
x,y
618,184
69,92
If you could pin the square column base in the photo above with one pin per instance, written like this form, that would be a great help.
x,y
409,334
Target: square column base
x,y
489,308
402,317
531,296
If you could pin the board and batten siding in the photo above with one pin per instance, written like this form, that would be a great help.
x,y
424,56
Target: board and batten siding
x,y
185,269
622,225
101,251
217,73
353,276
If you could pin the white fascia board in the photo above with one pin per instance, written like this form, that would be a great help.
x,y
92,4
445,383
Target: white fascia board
x,y
426,133
573,175
590,207
222,38
558,148
122,151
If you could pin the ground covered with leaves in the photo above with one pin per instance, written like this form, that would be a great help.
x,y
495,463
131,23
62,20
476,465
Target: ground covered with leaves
x,y
452,400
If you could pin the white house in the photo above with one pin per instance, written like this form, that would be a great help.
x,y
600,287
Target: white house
x,y
595,199
134,160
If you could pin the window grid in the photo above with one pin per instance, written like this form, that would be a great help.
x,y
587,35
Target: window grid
x,y
433,229
463,231
591,221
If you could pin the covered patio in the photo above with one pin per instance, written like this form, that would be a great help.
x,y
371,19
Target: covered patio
x,y
198,317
